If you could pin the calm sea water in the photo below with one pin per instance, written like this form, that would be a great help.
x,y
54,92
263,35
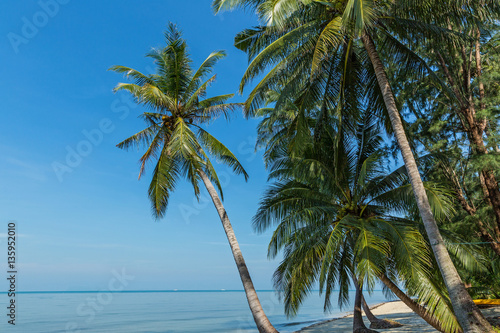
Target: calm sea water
x,y
170,311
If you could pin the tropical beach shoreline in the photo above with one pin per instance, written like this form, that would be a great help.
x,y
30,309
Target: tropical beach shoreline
x,y
348,315
394,310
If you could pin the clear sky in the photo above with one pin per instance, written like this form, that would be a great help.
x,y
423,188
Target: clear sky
x,y
79,224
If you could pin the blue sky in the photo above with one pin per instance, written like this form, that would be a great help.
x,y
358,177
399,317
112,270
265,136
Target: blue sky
x,y
77,227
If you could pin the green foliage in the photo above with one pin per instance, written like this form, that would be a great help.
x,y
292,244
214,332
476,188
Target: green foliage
x,y
174,138
487,284
438,124
316,83
337,212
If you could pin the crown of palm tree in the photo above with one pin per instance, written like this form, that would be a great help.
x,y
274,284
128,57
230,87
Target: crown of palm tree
x,y
299,39
176,109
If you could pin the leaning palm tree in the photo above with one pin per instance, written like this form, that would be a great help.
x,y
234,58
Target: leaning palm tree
x,y
176,141
336,211
294,30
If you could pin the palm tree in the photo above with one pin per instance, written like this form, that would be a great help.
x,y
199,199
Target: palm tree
x,y
295,29
175,140
337,220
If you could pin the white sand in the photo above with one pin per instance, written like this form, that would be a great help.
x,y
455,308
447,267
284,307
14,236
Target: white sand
x,y
396,310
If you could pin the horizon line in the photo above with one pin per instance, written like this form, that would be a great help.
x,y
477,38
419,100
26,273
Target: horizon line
x,y
142,291
129,291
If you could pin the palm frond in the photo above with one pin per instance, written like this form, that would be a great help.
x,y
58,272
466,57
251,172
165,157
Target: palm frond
x,y
165,176
221,152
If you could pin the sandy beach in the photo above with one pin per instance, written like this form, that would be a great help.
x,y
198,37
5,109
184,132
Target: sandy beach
x,y
396,310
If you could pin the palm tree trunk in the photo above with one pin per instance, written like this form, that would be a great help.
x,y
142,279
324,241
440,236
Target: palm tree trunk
x,y
260,318
366,309
417,308
376,323
468,314
358,325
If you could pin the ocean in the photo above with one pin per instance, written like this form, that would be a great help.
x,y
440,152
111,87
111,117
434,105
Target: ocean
x,y
158,311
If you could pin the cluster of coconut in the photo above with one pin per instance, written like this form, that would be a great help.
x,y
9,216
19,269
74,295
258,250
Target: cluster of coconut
x,y
168,121
348,209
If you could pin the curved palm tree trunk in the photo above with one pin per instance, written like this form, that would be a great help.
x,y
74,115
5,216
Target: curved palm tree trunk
x,y
417,308
376,323
468,314
358,325
260,318
366,309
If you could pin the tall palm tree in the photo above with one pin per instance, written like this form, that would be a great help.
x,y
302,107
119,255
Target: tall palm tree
x,y
281,133
176,141
293,29
304,201
336,214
